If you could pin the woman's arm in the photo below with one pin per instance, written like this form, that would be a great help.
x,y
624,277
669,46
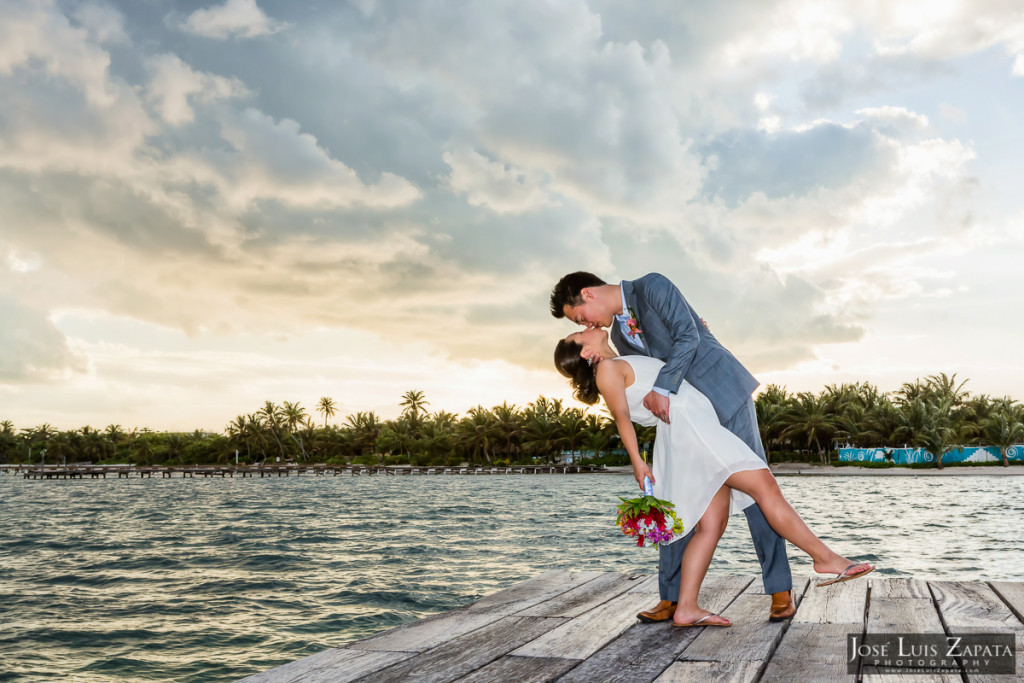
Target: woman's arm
x,y
611,382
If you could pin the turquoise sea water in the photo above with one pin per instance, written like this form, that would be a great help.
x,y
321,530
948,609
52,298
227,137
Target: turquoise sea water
x,y
212,580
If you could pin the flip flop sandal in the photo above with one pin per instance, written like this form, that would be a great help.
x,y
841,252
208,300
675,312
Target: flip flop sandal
x,y
841,576
698,622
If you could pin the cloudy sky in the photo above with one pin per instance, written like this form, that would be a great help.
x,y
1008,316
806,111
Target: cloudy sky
x,y
205,206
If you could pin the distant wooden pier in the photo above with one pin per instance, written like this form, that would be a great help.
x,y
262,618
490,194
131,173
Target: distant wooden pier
x,y
582,627
126,472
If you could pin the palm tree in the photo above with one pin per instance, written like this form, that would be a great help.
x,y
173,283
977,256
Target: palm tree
x,y
240,433
479,430
943,429
573,426
145,450
327,408
598,434
542,433
946,387
1003,429
256,434
913,390
771,405
913,420
438,437
880,423
546,406
59,445
273,419
176,448
364,428
809,421
413,403
306,434
114,435
510,424
294,417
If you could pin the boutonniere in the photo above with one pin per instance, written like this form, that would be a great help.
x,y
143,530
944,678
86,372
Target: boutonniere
x,y
633,324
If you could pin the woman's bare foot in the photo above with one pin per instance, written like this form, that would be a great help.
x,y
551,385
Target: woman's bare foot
x,y
838,564
691,617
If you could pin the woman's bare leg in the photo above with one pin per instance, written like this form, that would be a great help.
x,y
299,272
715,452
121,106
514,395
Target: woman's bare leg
x,y
762,487
697,559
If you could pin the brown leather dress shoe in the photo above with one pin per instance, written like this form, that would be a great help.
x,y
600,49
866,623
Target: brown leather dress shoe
x,y
782,606
663,611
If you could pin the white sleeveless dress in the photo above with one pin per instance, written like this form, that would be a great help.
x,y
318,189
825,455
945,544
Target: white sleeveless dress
x,y
693,454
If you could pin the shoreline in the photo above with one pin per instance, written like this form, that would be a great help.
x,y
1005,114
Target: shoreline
x,y
801,469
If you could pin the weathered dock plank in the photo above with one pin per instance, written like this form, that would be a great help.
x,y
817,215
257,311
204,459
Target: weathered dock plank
x,y
902,606
584,635
909,615
720,672
644,651
810,652
1012,594
521,670
751,637
581,626
840,603
583,598
973,607
542,587
337,665
740,652
898,588
467,653
813,648
440,628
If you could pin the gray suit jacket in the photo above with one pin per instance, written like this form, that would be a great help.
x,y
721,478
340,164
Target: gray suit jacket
x,y
672,332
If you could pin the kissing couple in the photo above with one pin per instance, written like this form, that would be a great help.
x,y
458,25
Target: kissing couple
x,y
708,459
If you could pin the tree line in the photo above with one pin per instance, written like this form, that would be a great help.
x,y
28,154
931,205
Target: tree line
x,y
935,413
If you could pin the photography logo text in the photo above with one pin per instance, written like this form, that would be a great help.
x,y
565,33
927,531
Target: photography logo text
x,y
933,653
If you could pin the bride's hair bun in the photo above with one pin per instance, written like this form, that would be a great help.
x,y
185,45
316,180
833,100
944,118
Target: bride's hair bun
x,y
580,373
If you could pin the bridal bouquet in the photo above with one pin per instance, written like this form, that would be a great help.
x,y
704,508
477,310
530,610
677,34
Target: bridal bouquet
x,y
649,520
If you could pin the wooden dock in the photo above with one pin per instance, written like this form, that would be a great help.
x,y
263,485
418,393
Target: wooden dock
x,y
581,627
206,471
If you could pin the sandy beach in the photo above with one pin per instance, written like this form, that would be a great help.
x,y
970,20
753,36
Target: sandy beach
x,y
787,469
800,468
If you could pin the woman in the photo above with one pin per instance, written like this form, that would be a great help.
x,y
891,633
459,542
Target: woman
x,y
703,468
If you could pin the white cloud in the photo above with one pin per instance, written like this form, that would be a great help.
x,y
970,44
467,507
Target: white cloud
x,y
769,124
22,263
37,32
33,349
762,101
428,170
174,87
930,171
235,18
104,23
939,30
952,113
894,115
274,160
99,122
797,30
492,184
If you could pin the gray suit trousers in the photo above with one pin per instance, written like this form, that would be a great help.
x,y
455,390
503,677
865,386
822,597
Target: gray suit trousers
x,y
770,547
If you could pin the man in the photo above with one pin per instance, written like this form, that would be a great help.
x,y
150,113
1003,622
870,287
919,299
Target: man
x,y
650,317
